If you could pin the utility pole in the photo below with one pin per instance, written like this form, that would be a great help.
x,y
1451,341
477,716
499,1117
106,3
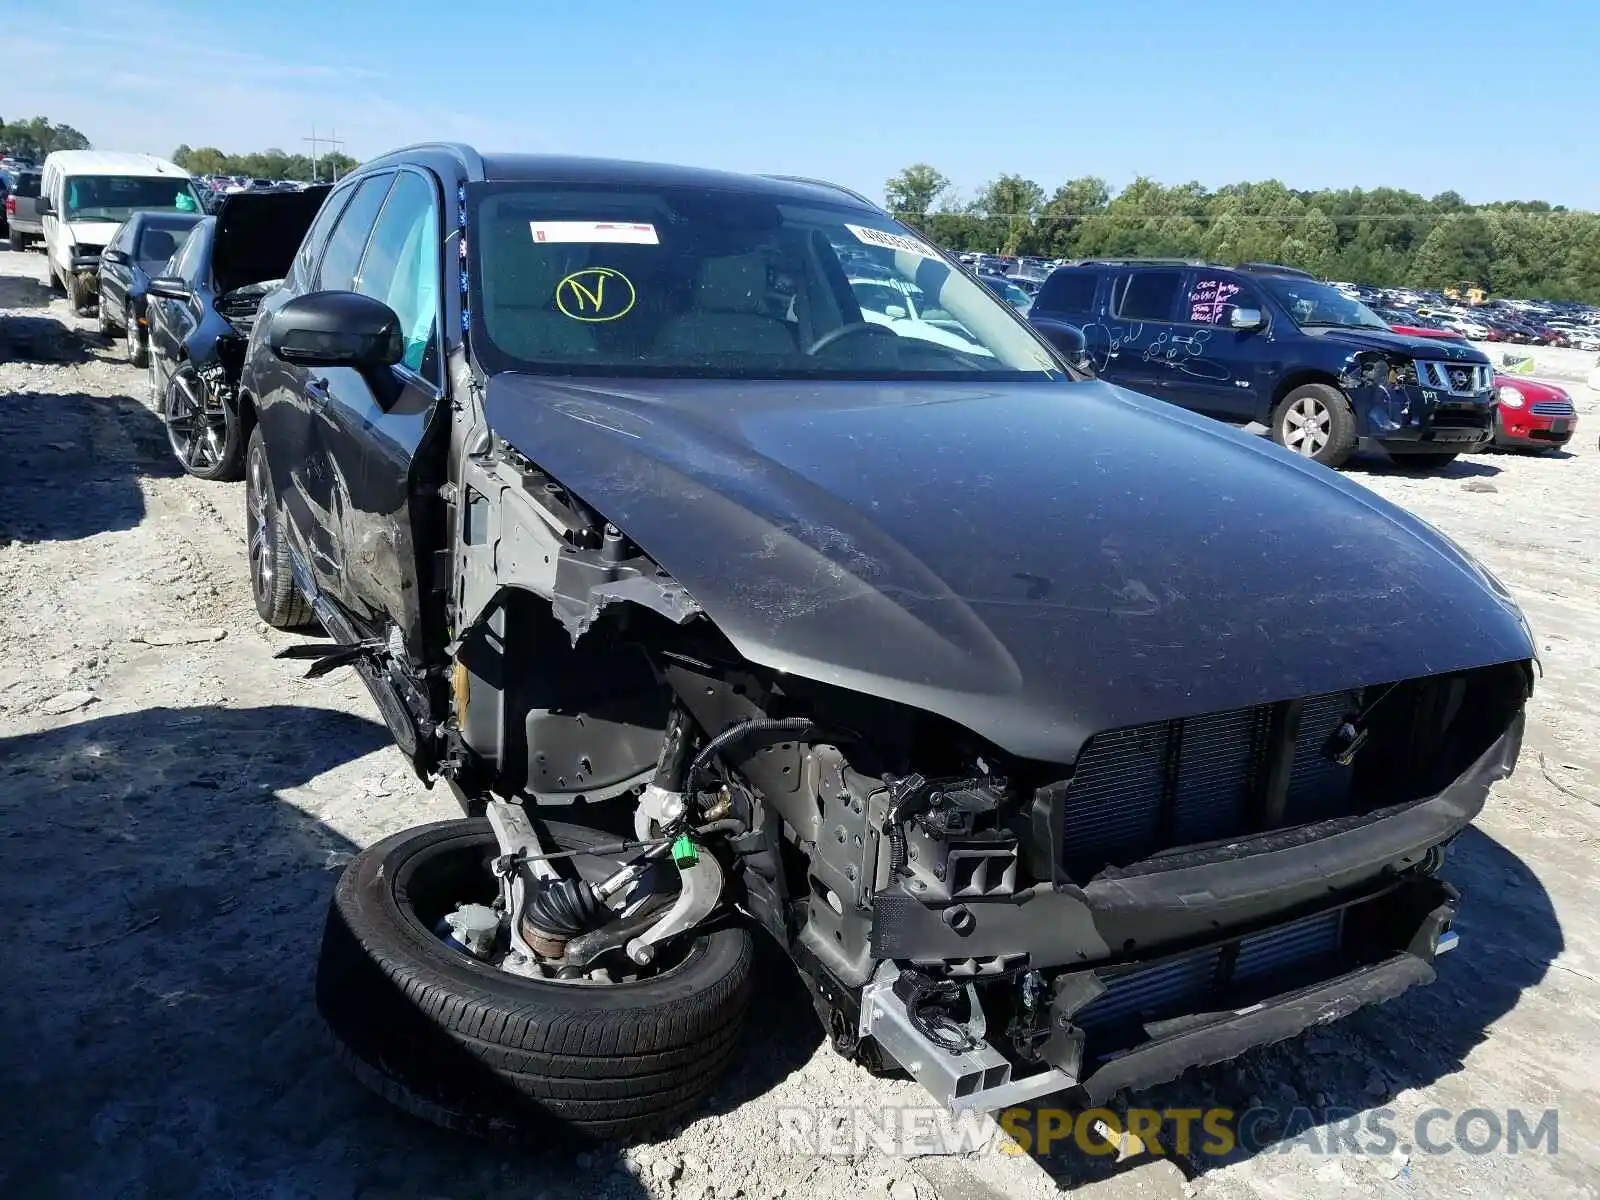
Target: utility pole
x,y
332,141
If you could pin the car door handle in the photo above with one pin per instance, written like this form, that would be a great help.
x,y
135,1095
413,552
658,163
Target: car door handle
x,y
317,389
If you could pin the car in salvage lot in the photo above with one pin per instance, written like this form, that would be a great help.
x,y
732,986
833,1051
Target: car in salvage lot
x,y
1532,415
719,604
199,311
1270,345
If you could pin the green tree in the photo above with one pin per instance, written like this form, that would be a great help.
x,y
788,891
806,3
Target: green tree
x,y
1069,205
1010,205
913,192
39,136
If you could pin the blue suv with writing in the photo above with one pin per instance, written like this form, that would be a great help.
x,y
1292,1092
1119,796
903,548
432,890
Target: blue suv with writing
x,y
1271,345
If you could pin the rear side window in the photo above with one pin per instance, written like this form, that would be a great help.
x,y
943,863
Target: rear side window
x,y
338,270
1067,291
1149,295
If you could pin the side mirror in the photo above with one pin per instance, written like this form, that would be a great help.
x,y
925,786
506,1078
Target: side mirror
x,y
1070,343
1246,318
336,329
114,256
894,312
43,207
171,287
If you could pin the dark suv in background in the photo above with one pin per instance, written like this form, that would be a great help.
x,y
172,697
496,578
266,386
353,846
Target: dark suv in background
x,y
1272,345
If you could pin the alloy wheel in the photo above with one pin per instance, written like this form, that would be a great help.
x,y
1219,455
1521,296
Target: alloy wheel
x,y
197,426
1307,426
258,527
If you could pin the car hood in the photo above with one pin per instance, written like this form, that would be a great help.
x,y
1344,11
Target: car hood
x,y
1531,389
90,233
258,233
1034,561
1385,339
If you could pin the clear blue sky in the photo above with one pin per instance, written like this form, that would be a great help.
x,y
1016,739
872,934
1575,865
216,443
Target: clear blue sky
x,y
1496,100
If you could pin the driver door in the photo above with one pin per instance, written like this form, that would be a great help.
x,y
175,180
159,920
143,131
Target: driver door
x,y
371,427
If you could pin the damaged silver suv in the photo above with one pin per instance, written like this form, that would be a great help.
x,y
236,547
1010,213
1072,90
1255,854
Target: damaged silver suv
x,y
1064,739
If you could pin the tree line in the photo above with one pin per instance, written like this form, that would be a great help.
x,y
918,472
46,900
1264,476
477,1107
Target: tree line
x,y
1386,237
263,164
37,137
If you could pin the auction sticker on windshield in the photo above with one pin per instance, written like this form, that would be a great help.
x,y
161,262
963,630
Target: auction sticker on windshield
x,y
890,241
638,234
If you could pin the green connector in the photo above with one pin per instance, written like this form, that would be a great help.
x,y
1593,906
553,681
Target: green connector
x,y
684,852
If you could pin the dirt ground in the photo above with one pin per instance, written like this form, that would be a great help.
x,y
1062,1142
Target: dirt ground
x,y
175,805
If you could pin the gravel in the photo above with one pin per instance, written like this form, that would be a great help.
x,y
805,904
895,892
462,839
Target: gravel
x,y
175,805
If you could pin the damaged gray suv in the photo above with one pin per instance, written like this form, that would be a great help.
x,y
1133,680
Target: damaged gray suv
x,y
1065,740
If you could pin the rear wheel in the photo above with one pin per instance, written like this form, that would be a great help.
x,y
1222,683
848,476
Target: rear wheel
x,y
271,578
134,346
463,1044
19,243
201,427
1315,422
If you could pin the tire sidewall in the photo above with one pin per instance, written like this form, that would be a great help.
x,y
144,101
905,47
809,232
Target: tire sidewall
x,y
366,898
1341,423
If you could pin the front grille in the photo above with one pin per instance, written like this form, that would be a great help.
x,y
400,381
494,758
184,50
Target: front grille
x,y
1551,408
1187,982
1459,379
1141,790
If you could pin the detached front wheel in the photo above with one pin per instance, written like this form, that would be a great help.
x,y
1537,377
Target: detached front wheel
x,y
463,1044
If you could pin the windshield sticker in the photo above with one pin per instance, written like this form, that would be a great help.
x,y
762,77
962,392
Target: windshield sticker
x,y
891,241
595,231
595,294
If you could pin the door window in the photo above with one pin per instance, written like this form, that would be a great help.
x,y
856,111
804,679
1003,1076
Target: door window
x,y
186,263
343,256
1149,295
1211,301
401,266
311,247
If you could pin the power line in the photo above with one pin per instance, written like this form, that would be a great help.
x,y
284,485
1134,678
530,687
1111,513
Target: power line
x,y
985,215
316,141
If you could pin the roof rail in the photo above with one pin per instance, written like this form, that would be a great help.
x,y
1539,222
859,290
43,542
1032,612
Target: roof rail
x,y
1267,268
834,187
470,158
1137,262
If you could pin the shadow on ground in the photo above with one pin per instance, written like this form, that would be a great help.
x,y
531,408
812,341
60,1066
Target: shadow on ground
x,y
1509,937
73,464
1460,468
158,1034
21,291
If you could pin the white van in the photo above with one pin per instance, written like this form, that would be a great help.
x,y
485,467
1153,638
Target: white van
x,y
85,194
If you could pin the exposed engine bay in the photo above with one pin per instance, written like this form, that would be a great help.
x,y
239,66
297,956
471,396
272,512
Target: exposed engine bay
x,y
1003,928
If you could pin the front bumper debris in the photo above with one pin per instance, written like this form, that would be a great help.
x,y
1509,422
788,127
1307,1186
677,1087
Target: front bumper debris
x,y
1138,1025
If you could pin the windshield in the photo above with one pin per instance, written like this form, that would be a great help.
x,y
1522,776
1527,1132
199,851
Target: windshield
x,y
593,279
118,197
1313,303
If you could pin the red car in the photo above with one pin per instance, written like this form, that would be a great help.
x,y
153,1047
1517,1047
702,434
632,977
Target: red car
x,y
1532,415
